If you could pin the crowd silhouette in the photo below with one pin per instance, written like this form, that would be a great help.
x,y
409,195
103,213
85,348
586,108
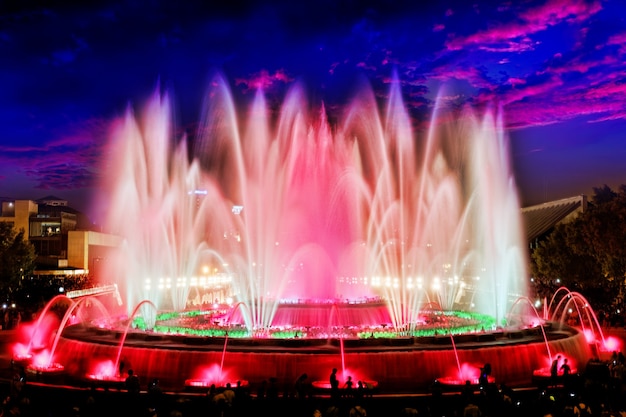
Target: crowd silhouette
x,y
595,392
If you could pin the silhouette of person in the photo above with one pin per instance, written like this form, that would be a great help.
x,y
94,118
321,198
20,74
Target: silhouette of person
x,y
360,390
554,369
132,382
301,386
229,395
565,368
348,387
334,384
154,394
468,391
132,386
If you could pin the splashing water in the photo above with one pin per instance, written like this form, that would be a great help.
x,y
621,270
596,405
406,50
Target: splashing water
x,y
287,208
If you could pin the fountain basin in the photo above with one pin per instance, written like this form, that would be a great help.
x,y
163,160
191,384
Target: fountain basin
x,y
398,365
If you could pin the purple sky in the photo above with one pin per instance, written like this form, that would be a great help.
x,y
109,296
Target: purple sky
x,y
557,68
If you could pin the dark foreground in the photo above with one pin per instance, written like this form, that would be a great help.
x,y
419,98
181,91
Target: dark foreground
x,y
603,397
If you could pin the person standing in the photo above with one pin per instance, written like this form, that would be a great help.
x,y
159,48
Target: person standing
x,y
300,386
348,387
334,384
554,370
565,368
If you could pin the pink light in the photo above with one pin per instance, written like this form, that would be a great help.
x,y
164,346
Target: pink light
x,y
37,337
209,375
468,372
20,351
104,370
42,359
591,338
612,344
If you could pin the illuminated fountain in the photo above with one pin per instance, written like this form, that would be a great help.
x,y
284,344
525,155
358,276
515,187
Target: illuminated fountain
x,y
281,233
37,356
572,307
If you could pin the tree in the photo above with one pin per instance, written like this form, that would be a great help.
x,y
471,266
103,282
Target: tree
x,y
17,258
587,254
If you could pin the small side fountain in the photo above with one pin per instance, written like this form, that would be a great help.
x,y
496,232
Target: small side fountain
x,y
572,307
108,372
214,374
467,373
40,332
43,365
552,365
356,375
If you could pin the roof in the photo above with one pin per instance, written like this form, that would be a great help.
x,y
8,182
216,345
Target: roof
x,y
541,218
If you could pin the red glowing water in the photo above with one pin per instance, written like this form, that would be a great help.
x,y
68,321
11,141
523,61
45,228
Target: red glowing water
x,y
105,370
410,368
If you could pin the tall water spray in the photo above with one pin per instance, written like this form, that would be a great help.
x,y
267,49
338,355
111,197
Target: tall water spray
x,y
288,208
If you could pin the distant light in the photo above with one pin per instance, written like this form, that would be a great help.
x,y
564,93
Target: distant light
x,y
61,289
237,209
198,192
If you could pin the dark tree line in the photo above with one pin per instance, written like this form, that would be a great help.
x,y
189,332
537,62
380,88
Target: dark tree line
x,y
587,254
17,259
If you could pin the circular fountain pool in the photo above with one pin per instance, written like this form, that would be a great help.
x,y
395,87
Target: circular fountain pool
x,y
397,364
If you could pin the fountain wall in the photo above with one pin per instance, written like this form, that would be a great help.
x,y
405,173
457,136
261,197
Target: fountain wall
x,y
398,365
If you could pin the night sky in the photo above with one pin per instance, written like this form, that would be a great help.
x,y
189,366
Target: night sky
x,y
557,68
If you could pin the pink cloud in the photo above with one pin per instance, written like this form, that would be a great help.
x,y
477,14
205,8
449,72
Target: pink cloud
x,y
584,67
597,102
64,162
472,75
617,39
556,11
516,81
364,65
263,80
616,90
512,36
333,66
519,94
614,116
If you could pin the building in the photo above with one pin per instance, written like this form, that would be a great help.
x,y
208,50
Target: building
x,y
541,219
61,235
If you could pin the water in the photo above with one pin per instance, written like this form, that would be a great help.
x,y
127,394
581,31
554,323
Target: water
x,y
271,206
